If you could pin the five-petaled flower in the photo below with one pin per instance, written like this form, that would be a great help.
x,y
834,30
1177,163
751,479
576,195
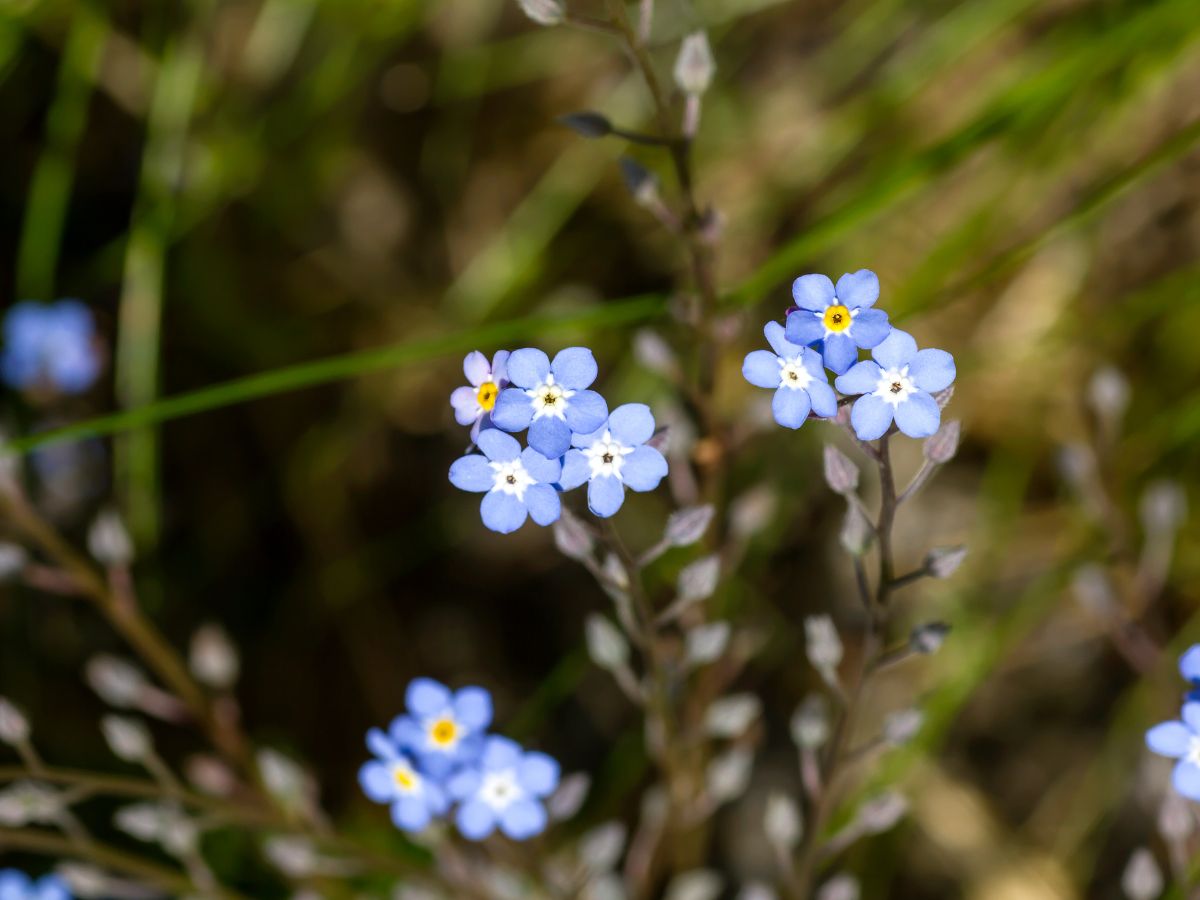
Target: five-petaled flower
x,y
1181,740
474,401
50,345
515,482
840,316
505,789
550,398
796,374
613,457
442,729
897,386
393,778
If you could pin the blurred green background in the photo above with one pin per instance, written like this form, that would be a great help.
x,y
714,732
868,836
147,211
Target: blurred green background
x,y
238,186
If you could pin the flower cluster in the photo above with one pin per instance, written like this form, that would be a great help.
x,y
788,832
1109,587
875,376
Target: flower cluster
x,y
572,437
826,329
1180,739
438,756
16,885
50,345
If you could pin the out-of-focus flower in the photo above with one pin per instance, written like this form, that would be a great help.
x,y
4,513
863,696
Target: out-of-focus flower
x,y
108,540
30,803
504,790
392,778
16,885
550,398
897,385
14,727
694,67
544,12
440,728
118,682
1189,668
516,483
213,659
839,316
795,373
473,402
50,345
127,738
613,457
1181,740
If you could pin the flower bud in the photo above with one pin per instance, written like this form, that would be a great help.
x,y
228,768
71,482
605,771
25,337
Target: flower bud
x,y
108,540
1108,396
752,511
606,645
284,779
30,803
210,775
705,643
1094,591
127,738
213,658
118,682
728,775
641,183
587,124
294,856
839,887
571,538
568,797
810,723
686,526
823,645
14,727
944,444
600,849
697,580
732,716
1163,507
840,473
1142,879
942,562
882,813
902,726
856,534
13,558
928,637
694,67
782,822
544,12
653,353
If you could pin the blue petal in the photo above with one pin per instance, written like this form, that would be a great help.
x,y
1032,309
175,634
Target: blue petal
x,y
472,473
870,327
522,819
473,707
644,468
475,820
410,813
381,745
502,512
586,412
538,774
543,504
436,799
811,360
919,416
546,471
840,353
463,783
761,369
857,289
425,697
871,417
804,328
376,781
605,495
777,338
862,378
824,400
896,350
500,753
574,368
575,470
406,734
466,405
476,368
1186,779
550,436
51,887
932,370
583,439
813,291
498,446
1189,663
1191,716
513,410
528,367
500,366
1169,739
631,424
790,407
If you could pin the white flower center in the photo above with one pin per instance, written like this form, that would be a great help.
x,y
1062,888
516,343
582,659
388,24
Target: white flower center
x,y
1193,751
405,778
549,399
499,789
792,373
894,386
511,478
606,456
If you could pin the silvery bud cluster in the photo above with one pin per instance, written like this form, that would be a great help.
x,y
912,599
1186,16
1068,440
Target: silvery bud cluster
x,y
729,774
698,580
705,644
810,726
30,803
1142,878
782,822
824,646
882,813
161,824
118,682
902,726
571,538
600,848
1163,508
839,887
686,526
128,739
856,533
732,716
14,727
944,444
213,658
108,540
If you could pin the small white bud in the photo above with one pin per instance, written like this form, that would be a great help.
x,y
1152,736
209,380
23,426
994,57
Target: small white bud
x,y
14,727
698,884
614,572
13,558
753,511
782,822
295,857
732,716
839,887
144,821
1093,590
127,738
694,67
30,803
1142,879
942,562
283,778
698,580
213,658
824,647
606,645
1163,508
882,813
944,444
728,775
568,798
928,638
810,723
85,881
686,526
1175,821
609,886
544,12
705,643
654,354
108,540
944,396
118,682
1108,396
840,473
600,848
856,533
756,890
571,538
902,726
210,775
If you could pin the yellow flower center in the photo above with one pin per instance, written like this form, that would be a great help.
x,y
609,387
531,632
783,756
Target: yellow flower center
x,y
837,318
443,732
404,778
486,395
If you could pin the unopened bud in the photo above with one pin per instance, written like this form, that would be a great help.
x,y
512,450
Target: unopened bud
x,y
1108,396
752,511
902,726
13,558
694,67
1093,590
30,803
942,562
928,637
587,124
568,797
810,723
824,646
295,857
882,813
283,778
856,533
782,823
1142,879
705,643
728,775
606,645
14,727
210,775
944,396
840,473
544,12
127,738
108,540
1175,821
601,848
729,717
1163,507
686,526
944,444
839,887
697,580
639,181
213,658
118,682
653,353
85,881
572,539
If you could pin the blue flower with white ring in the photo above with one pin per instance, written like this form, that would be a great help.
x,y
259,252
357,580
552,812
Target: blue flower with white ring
x,y
613,457
840,316
393,778
516,483
506,789
1181,740
796,374
442,729
550,398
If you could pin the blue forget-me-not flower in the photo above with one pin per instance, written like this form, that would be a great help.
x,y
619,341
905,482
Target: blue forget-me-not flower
x,y
1189,668
52,345
393,778
613,457
1181,740
897,386
16,885
474,401
506,789
515,482
840,316
796,374
442,729
550,398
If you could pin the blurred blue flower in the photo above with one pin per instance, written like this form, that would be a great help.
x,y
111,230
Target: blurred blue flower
x,y
898,386
442,729
840,316
1189,668
613,457
473,402
504,789
16,885
550,398
796,374
1181,740
50,344
392,778
515,482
